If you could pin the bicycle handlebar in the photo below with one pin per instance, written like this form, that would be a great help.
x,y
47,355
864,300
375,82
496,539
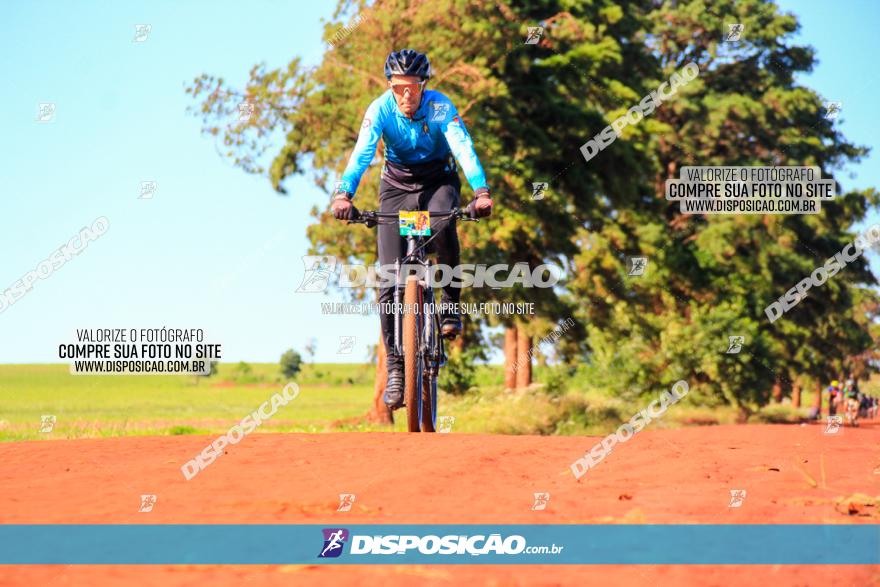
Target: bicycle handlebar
x,y
372,217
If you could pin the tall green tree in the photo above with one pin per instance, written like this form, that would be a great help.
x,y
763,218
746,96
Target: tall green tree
x,y
711,277
519,101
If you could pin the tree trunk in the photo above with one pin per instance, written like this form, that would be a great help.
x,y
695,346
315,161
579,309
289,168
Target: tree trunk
x,y
523,359
776,393
796,395
380,412
458,343
817,401
510,356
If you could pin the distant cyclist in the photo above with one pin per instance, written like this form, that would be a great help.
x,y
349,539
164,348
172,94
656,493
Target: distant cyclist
x,y
850,389
833,393
424,137
851,401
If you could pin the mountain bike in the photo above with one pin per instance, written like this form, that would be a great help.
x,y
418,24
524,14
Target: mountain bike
x,y
417,327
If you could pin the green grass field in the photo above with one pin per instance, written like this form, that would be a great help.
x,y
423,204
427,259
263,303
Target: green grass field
x,y
332,397
108,405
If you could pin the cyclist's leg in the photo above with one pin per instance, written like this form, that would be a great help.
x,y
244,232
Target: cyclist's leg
x,y
443,198
391,247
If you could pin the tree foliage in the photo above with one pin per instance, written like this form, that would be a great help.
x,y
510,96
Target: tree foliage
x,y
291,363
530,107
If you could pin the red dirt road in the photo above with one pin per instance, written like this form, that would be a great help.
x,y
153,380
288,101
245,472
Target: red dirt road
x,y
792,474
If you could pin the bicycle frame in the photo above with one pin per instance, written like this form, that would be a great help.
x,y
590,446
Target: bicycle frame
x,y
429,322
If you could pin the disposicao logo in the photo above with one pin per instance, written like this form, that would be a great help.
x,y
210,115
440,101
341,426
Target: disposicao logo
x,y
334,540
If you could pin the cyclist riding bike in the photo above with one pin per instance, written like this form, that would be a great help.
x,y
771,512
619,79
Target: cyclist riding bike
x,y
850,401
424,137
833,393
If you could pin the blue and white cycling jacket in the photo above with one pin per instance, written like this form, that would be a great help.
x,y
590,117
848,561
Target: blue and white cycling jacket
x,y
434,131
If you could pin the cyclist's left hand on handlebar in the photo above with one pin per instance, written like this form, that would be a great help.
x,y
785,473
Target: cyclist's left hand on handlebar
x,y
482,204
341,206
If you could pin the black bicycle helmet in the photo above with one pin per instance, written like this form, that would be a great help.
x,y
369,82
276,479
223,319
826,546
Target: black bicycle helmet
x,y
407,62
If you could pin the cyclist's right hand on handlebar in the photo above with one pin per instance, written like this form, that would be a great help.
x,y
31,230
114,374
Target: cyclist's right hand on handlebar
x,y
482,204
342,206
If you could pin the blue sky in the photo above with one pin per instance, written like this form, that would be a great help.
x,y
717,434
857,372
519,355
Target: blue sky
x,y
215,248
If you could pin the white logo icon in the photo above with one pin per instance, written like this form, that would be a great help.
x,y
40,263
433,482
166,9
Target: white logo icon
x,y
147,190
346,500
541,500
141,32
534,35
734,32
637,265
833,424
832,110
440,112
735,344
737,497
47,423
444,424
147,503
245,110
318,271
346,344
46,112
538,188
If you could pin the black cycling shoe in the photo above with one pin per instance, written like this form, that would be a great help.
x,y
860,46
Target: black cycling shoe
x,y
450,327
393,397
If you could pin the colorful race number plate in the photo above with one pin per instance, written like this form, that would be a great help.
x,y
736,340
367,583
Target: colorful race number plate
x,y
414,223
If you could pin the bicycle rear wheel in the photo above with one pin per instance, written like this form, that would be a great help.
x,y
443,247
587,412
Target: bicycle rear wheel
x,y
412,364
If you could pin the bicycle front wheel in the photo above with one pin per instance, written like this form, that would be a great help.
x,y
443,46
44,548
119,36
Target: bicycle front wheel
x,y
430,370
412,364
429,404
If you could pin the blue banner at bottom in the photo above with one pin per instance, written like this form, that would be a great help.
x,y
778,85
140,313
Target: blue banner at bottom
x,y
439,544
